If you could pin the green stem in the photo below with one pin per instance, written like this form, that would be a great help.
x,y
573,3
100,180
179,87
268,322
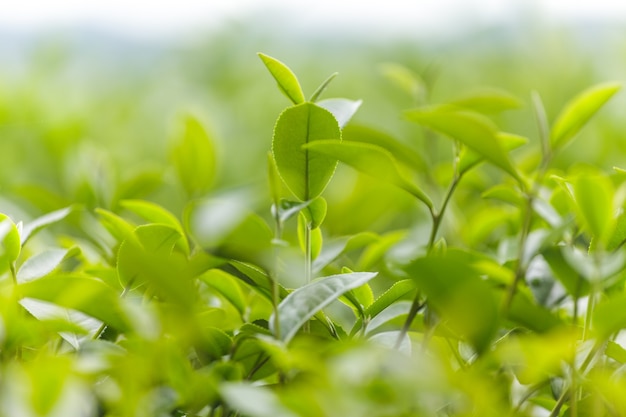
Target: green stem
x,y
308,262
520,270
437,217
274,276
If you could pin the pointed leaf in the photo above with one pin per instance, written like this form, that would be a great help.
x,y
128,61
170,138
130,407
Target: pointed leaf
x,y
39,223
10,241
303,303
455,289
43,263
371,160
402,153
315,96
508,141
88,295
315,212
594,200
158,215
471,129
342,108
194,158
305,173
579,111
254,401
286,79
488,100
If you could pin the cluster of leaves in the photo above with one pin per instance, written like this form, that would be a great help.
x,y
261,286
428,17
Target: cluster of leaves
x,y
511,306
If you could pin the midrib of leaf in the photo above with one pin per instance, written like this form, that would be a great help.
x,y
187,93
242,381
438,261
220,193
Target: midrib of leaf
x,y
306,155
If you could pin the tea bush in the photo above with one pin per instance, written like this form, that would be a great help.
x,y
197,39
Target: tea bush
x,y
461,273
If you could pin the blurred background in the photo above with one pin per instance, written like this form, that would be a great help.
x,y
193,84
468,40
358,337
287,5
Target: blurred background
x,y
93,94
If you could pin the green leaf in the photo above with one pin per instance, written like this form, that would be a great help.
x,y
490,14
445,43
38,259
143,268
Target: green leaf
x,y
487,100
455,289
117,226
226,285
532,316
469,158
10,240
194,158
505,193
575,284
158,215
594,200
303,303
336,247
87,295
579,111
315,212
371,160
31,228
405,79
615,351
286,79
609,316
254,401
471,129
44,263
618,237
147,257
306,174
315,96
342,108
316,237
402,153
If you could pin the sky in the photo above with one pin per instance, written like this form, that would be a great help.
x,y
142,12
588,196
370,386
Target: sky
x,y
165,18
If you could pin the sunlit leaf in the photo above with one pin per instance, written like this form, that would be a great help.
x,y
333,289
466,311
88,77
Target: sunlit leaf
x,y
305,173
371,160
194,158
579,111
342,108
487,100
286,79
31,228
303,303
471,129
44,263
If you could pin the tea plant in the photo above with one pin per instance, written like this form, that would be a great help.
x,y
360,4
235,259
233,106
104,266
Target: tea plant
x,y
507,299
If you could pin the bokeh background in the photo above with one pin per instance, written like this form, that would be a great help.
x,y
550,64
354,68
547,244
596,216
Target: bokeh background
x,y
93,94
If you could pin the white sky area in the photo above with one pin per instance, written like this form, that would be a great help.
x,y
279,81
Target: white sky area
x,y
162,18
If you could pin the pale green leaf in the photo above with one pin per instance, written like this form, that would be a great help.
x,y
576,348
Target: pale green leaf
x,y
471,129
305,173
157,214
487,100
303,303
342,108
32,227
44,263
594,200
254,401
315,96
579,111
286,79
194,158
371,160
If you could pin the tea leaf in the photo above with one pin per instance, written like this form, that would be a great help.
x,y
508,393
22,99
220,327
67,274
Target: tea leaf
x,y
88,295
594,200
471,129
319,90
31,228
194,158
303,303
44,263
342,108
158,215
455,289
487,100
306,174
579,111
371,160
286,79
254,401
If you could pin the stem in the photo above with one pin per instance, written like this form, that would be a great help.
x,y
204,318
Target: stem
x,y
307,264
274,275
520,270
416,306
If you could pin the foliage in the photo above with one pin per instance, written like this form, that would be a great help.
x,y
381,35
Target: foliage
x,y
364,275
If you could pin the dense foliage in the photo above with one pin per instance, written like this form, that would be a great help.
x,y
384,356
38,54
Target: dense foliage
x,y
466,261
